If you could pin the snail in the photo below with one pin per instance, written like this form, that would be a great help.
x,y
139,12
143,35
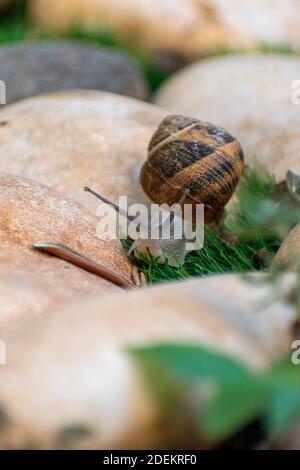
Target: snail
x,y
187,153
188,162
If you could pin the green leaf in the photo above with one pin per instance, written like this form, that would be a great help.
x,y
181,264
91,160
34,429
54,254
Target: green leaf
x,y
284,405
284,374
193,363
240,397
283,410
232,409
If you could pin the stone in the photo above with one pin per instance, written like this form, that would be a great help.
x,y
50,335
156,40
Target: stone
x,y
30,69
89,393
251,96
188,26
288,254
69,140
31,283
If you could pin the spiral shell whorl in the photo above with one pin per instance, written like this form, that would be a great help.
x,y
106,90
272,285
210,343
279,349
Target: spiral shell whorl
x,y
188,153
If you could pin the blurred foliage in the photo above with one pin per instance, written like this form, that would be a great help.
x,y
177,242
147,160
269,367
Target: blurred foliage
x,y
13,24
283,49
238,396
264,210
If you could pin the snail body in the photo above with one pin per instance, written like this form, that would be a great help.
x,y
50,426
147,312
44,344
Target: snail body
x,y
186,153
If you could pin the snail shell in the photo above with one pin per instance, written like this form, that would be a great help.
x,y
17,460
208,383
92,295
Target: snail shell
x,y
186,153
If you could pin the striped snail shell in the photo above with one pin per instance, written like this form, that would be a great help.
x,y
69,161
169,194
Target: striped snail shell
x,y
186,153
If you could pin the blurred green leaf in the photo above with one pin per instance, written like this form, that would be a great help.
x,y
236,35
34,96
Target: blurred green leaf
x,y
194,363
233,408
283,409
240,396
263,210
284,374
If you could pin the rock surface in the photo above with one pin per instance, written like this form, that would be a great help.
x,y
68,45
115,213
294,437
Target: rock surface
x,y
69,140
88,392
288,254
31,283
251,96
34,68
185,25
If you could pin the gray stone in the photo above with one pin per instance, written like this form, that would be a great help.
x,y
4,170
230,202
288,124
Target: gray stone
x,y
33,68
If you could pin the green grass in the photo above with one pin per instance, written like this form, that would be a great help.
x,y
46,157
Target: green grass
x,y
216,257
